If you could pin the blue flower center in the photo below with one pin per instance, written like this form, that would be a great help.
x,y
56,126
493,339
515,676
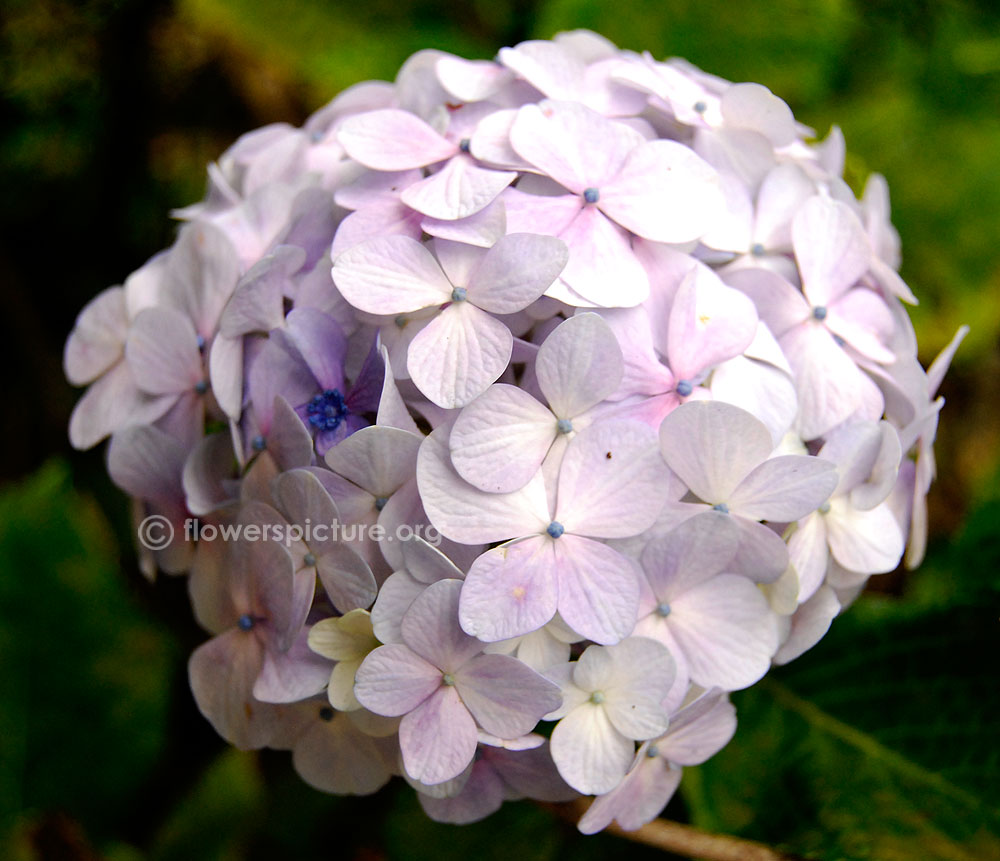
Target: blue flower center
x,y
721,506
758,250
556,529
684,388
458,294
564,425
700,107
327,411
663,610
326,714
309,560
448,679
591,195
201,387
464,144
245,622
597,697
258,443
652,751
819,312
380,502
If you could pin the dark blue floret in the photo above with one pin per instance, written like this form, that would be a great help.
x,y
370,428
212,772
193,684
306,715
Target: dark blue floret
x,y
555,529
458,294
245,622
201,387
564,425
258,443
684,388
591,195
380,502
721,506
700,107
819,312
464,144
758,250
327,411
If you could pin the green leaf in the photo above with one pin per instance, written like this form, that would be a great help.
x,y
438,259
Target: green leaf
x,y
83,673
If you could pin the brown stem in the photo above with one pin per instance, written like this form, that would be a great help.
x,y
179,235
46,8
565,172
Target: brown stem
x,y
686,840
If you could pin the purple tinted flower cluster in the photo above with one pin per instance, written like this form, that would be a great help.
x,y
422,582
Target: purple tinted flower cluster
x,y
610,330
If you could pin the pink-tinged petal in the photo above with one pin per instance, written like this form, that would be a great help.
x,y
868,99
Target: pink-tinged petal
x,y
939,367
481,795
638,799
218,593
383,218
642,668
611,481
505,696
334,756
516,271
762,555
663,192
753,106
869,542
829,385
287,677
395,596
288,440
222,673
690,554
865,322
780,305
471,80
759,388
201,274
346,577
490,142
98,337
810,622
426,563
390,275
712,446
379,459
784,488
880,479
594,671
162,351
482,229
256,304
540,214
147,463
438,738
510,590
709,323
699,730
638,715
781,193
226,374
375,188
591,755
465,514
458,355
598,589
579,365
392,410
499,440
457,259
302,499
392,139
574,145
430,627
207,474
602,267
394,680
112,402
831,247
807,551
727,631
460,189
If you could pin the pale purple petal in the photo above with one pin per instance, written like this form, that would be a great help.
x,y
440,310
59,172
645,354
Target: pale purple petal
x,y
762,555
784,488
390,275
712,446
591,755
458,355
162,351
697,733
510,590
638,799
869,542
346,577
334,756
287,677
147,463
394,680
468,515
598,589
460,189
392,139
831,247
499,440
611,481
505,696
516,271
482,795
578,365
430,627
663,192
753,106
98,337
379,459
807,551
438,738
689,554
810,622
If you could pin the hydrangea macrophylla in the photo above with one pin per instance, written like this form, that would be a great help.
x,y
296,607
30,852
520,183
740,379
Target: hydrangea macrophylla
x,y
618,318
443,684
464,348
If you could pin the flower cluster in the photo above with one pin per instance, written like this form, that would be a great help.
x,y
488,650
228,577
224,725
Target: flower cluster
x,y
613,327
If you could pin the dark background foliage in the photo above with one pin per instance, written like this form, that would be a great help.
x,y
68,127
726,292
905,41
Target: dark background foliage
x,y
881,743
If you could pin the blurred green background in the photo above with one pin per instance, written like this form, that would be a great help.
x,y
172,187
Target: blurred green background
x,y
881,743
